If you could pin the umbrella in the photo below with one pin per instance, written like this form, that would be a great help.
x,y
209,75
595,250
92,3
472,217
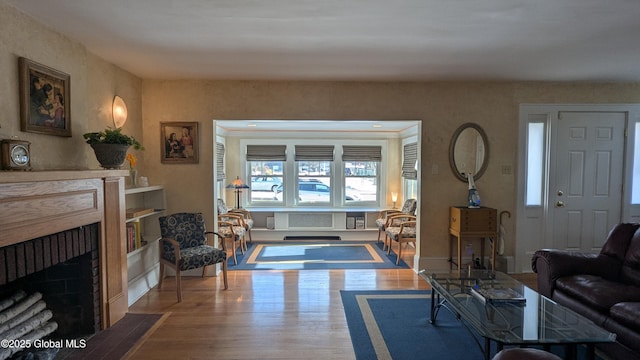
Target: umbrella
x,y
502,232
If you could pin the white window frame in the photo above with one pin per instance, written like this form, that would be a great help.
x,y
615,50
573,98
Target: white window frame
x,y
290,173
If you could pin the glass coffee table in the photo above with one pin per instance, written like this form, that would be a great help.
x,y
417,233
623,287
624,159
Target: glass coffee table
x,y
502,310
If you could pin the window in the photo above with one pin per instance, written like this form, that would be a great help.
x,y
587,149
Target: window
x,y
361,177
267,172
635,186
220,161
314,182
535,163
314,164
410,169
313,175
410,161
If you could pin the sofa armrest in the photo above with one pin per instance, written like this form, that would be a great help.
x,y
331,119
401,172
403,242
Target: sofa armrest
x,y
551,265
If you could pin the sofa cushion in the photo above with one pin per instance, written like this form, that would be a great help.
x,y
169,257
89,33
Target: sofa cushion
x,y
627,313
597,292
618,240
630,272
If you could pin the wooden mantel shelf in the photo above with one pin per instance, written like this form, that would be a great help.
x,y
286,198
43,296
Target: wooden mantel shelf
x,y
53,175
40,203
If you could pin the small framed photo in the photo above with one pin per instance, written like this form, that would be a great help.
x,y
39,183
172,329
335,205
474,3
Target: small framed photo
x,y
44,99
179,142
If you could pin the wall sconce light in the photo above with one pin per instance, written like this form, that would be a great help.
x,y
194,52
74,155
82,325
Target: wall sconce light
x,y
237,184
119,112
394,198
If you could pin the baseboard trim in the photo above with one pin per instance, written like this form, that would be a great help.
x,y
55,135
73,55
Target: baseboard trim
x,y
312,237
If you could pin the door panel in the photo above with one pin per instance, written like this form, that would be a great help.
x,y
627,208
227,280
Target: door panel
x,y
586,188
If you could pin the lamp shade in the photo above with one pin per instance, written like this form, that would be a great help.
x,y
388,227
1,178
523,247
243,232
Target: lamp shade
x,y
119,112
237,183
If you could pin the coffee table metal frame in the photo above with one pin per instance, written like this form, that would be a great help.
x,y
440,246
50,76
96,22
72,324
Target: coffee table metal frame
x,y
538,321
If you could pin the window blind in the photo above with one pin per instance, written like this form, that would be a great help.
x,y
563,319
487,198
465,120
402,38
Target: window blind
x,y
361,153
409,160
220,161
266,152
314,152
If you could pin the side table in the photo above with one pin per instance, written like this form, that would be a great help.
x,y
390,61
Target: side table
x,y
472,223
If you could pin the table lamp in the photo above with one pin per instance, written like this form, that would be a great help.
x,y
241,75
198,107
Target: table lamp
x,y
237,184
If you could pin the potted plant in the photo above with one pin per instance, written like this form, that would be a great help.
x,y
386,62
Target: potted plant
x,y
111,146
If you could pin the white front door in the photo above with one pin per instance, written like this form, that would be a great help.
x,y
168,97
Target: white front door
x,y
585,189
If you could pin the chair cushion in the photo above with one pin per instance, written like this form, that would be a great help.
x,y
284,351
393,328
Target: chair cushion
x,y
197,257
222,207
407,232
225,231
409,206
380,223
186,228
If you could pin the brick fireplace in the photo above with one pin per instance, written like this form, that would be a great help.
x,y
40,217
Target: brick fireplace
x,y
63,231
64,268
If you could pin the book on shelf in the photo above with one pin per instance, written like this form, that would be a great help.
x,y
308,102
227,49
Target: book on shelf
x,y
131,236
497,295
135,212
134,236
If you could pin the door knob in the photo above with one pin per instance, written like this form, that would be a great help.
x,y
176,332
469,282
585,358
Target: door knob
x,y
559,204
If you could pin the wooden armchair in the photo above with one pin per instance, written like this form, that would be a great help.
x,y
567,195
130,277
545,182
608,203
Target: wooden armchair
x,y
184,246
403,231
231,227
383,221
246,214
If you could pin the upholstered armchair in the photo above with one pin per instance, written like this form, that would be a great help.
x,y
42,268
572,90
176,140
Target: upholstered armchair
x,y
246,216
402,231
184,246
382,222
231,228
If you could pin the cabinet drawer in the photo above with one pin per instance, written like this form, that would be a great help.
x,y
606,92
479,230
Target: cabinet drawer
x,y
473,220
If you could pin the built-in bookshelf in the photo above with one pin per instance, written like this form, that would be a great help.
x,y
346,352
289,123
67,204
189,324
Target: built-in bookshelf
x,y
144,206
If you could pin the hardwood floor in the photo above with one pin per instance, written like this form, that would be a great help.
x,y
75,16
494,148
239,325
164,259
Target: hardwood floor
x,y
263,315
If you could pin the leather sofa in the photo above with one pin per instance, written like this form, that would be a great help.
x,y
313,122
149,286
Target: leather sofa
x,y
603,287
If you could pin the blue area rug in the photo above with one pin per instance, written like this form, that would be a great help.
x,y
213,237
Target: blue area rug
x,y
310,255
395,325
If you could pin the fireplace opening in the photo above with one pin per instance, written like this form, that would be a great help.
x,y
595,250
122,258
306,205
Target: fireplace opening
x,y
64,268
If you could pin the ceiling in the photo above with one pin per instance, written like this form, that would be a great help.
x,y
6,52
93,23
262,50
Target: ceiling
x,y
372,40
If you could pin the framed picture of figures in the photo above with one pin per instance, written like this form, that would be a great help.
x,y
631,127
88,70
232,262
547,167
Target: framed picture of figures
x,y
179,142
44,99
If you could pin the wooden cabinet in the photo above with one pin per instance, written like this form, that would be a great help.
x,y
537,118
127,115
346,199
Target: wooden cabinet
x,y
144,206
470,223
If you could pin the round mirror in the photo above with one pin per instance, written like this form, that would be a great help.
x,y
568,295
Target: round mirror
x,y
469,151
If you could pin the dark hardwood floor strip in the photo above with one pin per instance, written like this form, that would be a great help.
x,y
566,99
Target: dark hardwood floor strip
x,y
115,342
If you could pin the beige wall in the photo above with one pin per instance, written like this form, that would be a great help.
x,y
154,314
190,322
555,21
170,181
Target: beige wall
x,y
94,83
442,106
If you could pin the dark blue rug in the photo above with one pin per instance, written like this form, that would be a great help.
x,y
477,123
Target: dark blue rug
x,y
395,325
311,255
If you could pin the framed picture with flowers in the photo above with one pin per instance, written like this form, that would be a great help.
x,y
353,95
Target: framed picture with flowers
x,y
179,142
